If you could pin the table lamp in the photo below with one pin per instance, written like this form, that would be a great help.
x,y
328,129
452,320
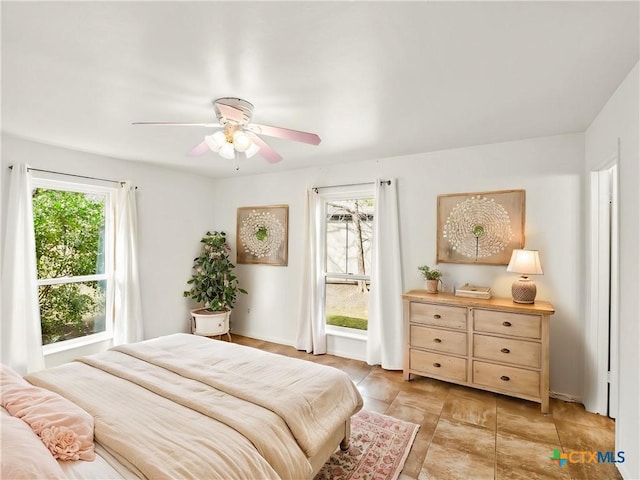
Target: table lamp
x,y
525,262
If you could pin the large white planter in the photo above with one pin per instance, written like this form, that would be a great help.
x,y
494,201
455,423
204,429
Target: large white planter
x,y
209,324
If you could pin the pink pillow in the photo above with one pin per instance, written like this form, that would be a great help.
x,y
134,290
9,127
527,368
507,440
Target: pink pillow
x,y
64,428
23,454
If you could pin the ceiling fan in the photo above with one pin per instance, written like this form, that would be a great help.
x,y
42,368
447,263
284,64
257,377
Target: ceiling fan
x,y
236,137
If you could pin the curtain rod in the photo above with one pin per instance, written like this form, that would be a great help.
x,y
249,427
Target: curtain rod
x,y
382,182
73,175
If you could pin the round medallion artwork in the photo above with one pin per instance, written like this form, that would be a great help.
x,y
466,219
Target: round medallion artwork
x,y
261,233
478,227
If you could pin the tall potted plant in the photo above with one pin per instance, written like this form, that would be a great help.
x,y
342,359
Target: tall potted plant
x,y
214,284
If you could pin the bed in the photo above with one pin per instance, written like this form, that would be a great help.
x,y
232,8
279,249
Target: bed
x,y
185,406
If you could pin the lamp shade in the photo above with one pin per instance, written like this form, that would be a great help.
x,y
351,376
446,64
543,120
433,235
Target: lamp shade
x,y
525,262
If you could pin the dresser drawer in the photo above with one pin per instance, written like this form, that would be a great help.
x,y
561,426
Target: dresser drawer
x,y
504,323
453,368
509,379
440,340
439,315
507,350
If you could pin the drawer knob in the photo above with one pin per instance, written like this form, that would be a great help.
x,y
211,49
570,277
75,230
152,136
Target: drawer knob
x,y
437,340
436,364
506,324
504,378
437,316
505,350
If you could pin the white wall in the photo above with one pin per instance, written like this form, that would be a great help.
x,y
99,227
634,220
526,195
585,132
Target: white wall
x,y
619,121
549,169
174,211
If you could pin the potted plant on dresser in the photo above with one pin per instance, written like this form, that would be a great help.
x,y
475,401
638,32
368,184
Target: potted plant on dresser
x,y
213,284
432,277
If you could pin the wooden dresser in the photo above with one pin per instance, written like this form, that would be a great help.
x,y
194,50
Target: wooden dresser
x,y
493,344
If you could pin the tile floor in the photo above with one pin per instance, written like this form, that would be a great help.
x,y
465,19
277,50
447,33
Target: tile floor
x,y
471,434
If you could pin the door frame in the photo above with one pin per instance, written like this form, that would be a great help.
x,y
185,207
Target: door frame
x,y
602,354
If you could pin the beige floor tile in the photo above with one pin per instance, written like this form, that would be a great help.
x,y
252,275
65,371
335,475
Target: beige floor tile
x,y
521,407
355,371
391,376
470,406
424,400
518,458
594,471
579,437
575,412
428,384
444,463
418,452
378,387
538,429
464,437
374,405
411,414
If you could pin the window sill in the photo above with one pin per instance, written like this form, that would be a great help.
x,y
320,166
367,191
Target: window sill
x,y
75,343
345,332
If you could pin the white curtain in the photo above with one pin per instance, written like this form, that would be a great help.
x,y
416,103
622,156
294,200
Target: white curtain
x,y
128,310
385,329
21,330
311,326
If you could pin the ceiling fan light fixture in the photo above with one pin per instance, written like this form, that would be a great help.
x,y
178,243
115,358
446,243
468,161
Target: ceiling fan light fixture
x,y
236,137
241,141
252,150
220,137
212,143
227,151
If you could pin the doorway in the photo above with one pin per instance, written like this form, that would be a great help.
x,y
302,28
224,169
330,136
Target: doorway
x,y
602,346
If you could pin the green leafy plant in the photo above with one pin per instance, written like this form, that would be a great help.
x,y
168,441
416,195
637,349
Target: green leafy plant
x,y
213,282
429,273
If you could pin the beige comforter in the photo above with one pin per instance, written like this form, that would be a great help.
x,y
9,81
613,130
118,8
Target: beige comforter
x,y
184,406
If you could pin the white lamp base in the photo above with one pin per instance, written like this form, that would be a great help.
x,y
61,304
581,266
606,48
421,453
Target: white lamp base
x,y
523,290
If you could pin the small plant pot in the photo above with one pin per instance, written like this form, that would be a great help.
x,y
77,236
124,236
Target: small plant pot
x,y
432,286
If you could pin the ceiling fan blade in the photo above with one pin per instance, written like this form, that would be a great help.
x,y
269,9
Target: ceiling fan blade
x,y
287,133
231,113
199,149
268,153
174,124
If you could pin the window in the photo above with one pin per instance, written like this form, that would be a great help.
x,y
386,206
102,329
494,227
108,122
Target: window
x,y
347,251
73,226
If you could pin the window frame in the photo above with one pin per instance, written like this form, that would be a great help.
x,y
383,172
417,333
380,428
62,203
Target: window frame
x,y
110,196
328,194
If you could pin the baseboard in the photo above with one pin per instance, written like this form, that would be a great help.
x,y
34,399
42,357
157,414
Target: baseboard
x,y
624,471
565,397
343,354
264,338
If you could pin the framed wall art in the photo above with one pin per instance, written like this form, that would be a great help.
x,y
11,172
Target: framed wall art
x,y
262,234
481,228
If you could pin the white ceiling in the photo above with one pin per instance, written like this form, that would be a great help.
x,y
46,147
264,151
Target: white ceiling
x,y
374,80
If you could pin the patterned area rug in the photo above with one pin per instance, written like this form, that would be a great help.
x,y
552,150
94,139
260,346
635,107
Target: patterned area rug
x,y
379,447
